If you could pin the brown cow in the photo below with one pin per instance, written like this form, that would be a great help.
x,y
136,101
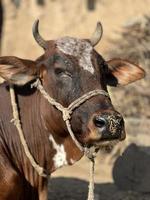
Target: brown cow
x,y
69,68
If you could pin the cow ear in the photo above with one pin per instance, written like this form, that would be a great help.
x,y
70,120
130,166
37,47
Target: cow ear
x,y
17,71
122,72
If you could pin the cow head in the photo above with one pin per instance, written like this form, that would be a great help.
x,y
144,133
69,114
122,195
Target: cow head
x,y
69,68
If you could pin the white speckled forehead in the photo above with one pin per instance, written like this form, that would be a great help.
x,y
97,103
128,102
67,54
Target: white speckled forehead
x,y
78,48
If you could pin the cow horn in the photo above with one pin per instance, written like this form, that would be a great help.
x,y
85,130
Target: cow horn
x,y
37,36
97,35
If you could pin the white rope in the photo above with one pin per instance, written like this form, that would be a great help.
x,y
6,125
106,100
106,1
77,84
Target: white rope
x,y
91,180
73,136
17,123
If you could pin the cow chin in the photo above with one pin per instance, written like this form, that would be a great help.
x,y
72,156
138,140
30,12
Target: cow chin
x,y
95,138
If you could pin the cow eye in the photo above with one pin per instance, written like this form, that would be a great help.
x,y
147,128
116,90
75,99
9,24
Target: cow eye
x,y
58,71
62,73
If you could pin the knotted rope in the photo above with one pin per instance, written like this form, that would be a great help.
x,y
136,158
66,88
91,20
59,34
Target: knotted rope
x,y
66,114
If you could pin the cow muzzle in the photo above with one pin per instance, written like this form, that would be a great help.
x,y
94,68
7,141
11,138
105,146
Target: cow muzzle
x,y
106,127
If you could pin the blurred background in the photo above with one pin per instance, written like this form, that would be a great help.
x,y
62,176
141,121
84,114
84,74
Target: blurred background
x,y
122,173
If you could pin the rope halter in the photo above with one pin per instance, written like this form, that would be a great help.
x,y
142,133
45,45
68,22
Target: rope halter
x,y
67,111
66,114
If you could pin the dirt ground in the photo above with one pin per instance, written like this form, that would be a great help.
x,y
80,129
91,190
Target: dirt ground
x,y
71,183
76,189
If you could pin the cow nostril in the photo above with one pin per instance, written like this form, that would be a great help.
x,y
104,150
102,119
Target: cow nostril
x,y
99,122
